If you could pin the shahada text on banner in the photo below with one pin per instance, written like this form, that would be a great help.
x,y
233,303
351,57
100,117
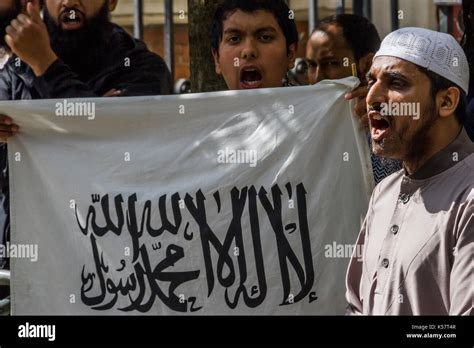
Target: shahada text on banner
x,y
222,203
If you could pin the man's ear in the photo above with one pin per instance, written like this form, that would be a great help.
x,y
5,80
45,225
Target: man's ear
x,y
365,63
215,55
292,55
447,101
112,5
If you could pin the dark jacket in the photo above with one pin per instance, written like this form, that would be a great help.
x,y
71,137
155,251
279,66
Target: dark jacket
x,y
469,122
146,74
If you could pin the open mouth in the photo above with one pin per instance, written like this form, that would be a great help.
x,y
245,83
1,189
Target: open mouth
x,y
71,20
379,126
250,77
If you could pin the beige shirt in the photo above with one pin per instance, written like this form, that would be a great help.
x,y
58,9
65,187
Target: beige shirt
x,y
418,240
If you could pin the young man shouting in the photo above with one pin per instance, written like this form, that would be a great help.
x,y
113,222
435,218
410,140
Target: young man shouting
x,y
254,43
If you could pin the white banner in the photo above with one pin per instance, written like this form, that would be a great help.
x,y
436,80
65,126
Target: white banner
x,y
225,203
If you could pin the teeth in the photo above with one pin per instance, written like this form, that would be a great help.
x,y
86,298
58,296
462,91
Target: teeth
x,y
377,117
252,83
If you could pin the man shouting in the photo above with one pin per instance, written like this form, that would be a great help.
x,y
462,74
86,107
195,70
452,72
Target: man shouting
x,y
73,52
418,235
77,52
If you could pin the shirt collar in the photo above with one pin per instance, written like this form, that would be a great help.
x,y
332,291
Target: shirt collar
x,y
461,147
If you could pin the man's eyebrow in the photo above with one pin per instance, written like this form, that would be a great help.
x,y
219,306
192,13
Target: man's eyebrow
x,y
259,30
272,29
390,74
328,57
232,31
396,75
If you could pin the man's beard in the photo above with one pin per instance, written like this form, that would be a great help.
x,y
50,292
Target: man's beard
x,y
417,144
420,142
83,49
5,20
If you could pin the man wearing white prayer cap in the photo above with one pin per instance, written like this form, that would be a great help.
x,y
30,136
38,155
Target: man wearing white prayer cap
x,y
418,235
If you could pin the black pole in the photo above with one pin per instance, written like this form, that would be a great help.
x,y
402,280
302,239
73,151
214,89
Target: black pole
x,y
358,7
138,19
368,9
394,9
313,15
169,36
340,7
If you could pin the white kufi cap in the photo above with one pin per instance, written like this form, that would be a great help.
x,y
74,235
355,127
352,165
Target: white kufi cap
x,y
435,51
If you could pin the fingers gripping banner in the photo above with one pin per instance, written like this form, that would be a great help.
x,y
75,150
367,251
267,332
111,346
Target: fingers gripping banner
x,y
222,203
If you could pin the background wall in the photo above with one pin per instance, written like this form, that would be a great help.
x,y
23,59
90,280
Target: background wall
x,y
420,13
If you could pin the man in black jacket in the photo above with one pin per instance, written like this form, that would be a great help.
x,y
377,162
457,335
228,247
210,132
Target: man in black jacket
x,y
76,52
468,45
